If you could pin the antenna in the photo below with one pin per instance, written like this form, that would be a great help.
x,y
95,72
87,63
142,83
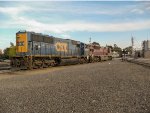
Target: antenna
x,y
90,40
132,41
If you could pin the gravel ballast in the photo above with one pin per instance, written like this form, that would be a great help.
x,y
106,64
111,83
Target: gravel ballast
x,y
107,87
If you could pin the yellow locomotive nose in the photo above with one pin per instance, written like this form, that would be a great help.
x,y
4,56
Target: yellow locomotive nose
x,y
21,42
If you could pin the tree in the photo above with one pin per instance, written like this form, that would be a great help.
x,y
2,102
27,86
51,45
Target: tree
x,y
1,54
117,49
10,51
11,44
128,49
96,43
109,46
6,53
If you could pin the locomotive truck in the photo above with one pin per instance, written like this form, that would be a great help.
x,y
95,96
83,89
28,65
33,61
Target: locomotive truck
x,y
35,50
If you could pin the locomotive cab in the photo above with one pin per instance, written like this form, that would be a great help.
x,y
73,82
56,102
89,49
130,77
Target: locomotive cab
x,y
21,42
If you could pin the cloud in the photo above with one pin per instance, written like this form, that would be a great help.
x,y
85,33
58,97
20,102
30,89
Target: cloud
x,y
138,11
143,7
21,22
84,26
13,11
56,7
66,36
33,25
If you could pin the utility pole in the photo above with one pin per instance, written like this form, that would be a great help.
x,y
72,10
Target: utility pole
x,y
132,42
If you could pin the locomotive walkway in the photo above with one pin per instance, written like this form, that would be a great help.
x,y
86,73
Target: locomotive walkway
x,y
107,87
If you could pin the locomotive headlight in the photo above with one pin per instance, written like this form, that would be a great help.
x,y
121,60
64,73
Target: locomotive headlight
x,y
39,46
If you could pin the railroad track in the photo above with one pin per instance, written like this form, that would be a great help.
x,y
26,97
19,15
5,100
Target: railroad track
x,y
139,63
5,68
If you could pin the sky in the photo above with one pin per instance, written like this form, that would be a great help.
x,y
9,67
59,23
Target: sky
x,y
109,22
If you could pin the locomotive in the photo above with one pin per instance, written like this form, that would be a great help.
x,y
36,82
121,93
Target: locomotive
x,y
36,50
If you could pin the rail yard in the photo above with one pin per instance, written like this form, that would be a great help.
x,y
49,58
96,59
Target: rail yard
x,y
74,56
122,87
41,78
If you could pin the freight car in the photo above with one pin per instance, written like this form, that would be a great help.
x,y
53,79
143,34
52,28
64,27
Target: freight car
x,y
35,50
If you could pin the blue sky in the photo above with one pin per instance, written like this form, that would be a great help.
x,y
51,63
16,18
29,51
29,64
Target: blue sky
x,y
108,23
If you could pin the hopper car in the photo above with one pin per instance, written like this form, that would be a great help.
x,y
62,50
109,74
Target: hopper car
x,y
35,50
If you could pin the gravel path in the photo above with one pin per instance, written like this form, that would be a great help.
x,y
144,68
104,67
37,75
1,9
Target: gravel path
x,y
108,87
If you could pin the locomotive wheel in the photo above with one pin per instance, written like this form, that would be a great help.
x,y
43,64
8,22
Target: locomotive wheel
x,y
45,65
99,59
34,65
42,65
81,61
86,60
52,64
17,63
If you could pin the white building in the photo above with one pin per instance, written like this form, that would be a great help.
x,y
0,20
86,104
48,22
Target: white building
x,y
115,54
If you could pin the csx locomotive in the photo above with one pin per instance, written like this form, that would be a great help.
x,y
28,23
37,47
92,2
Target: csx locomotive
x,y
35,50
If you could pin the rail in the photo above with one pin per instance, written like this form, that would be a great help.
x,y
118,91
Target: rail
x,y
139,62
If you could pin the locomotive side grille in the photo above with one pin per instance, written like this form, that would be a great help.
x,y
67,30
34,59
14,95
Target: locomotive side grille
x,y
40,38
48,40
35,37
74,42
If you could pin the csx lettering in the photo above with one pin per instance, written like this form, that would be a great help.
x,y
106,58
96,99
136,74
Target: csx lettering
x,y
61,47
